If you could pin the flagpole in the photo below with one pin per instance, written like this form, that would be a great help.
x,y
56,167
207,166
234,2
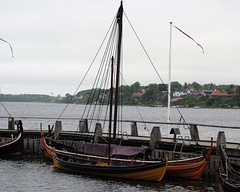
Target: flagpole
x,y
169,80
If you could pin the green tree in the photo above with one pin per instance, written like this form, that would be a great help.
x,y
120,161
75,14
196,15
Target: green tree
x,y
175,85
196,85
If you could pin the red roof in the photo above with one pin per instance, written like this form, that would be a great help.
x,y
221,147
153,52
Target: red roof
x,y
137,94
219,93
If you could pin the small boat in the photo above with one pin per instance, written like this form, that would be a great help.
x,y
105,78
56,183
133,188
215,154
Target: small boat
x,y
229,173
190,168
13,147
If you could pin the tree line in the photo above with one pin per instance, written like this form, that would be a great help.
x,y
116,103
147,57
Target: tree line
x,y
137,94
157,95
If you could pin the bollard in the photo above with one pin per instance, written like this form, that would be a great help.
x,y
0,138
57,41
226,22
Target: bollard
x,y
134,131
97,132
155,137
175,132
58,129
221,139
10,123
83,126
194,133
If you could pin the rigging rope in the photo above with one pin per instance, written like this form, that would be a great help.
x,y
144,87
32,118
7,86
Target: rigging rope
x,y
6,109
153,65
86,72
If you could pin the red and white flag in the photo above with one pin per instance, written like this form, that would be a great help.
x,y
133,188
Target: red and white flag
x,y
188,37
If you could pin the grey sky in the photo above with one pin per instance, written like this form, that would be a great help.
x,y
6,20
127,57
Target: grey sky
x,y
55,41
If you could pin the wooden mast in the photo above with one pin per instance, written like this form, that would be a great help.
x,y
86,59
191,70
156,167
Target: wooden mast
x,y
119,21
110,114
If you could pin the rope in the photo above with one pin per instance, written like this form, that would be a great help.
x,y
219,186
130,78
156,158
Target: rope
x,y
144,49
5,109
86,72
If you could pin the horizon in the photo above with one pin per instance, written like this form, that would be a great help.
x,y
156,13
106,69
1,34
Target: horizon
x,y
56,95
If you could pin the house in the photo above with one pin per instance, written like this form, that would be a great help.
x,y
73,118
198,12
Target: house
x,y
217,93
190,90
205,92
137,94
179,93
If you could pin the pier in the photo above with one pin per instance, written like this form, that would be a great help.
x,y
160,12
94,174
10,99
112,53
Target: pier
x,y
176,146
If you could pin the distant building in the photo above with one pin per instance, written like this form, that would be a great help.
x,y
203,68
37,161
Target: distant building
x,y
190,90
137,94
205,92
217,93
179,93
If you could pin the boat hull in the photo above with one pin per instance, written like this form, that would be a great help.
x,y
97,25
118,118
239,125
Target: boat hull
x,y
229,173
150,172
192,168
13,147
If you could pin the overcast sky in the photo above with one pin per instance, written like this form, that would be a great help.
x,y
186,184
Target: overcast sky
x,y
55,41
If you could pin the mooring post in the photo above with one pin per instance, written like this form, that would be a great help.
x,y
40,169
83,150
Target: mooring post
x,y
194,133
10,123
134,131
83,126
97,132
221,140
175,132
155,137
58,129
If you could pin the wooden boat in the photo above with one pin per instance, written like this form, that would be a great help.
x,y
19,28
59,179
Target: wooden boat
x,y
62,151
229,173
15,146
191,168
102,163
150,171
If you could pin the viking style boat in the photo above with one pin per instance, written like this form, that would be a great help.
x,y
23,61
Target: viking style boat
x,y
229,173
191,168
150,171
15,146
109,159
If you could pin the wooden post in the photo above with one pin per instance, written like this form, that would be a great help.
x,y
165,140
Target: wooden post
x,y
134,131
155,137
221,140
83,126
194,133
97,132
10,123
175,132
58,129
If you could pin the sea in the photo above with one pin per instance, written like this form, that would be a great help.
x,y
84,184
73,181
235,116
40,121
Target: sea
x,y
38,174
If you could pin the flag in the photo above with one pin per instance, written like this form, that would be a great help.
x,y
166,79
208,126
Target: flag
x,y
8,44
188,37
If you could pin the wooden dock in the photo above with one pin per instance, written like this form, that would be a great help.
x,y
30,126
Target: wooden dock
x,y
161,146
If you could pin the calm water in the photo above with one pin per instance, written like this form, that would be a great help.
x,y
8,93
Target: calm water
x,y
39,175
226,117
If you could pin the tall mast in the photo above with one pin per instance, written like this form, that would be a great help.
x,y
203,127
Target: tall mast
x,y
110,114
169,79
119,21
